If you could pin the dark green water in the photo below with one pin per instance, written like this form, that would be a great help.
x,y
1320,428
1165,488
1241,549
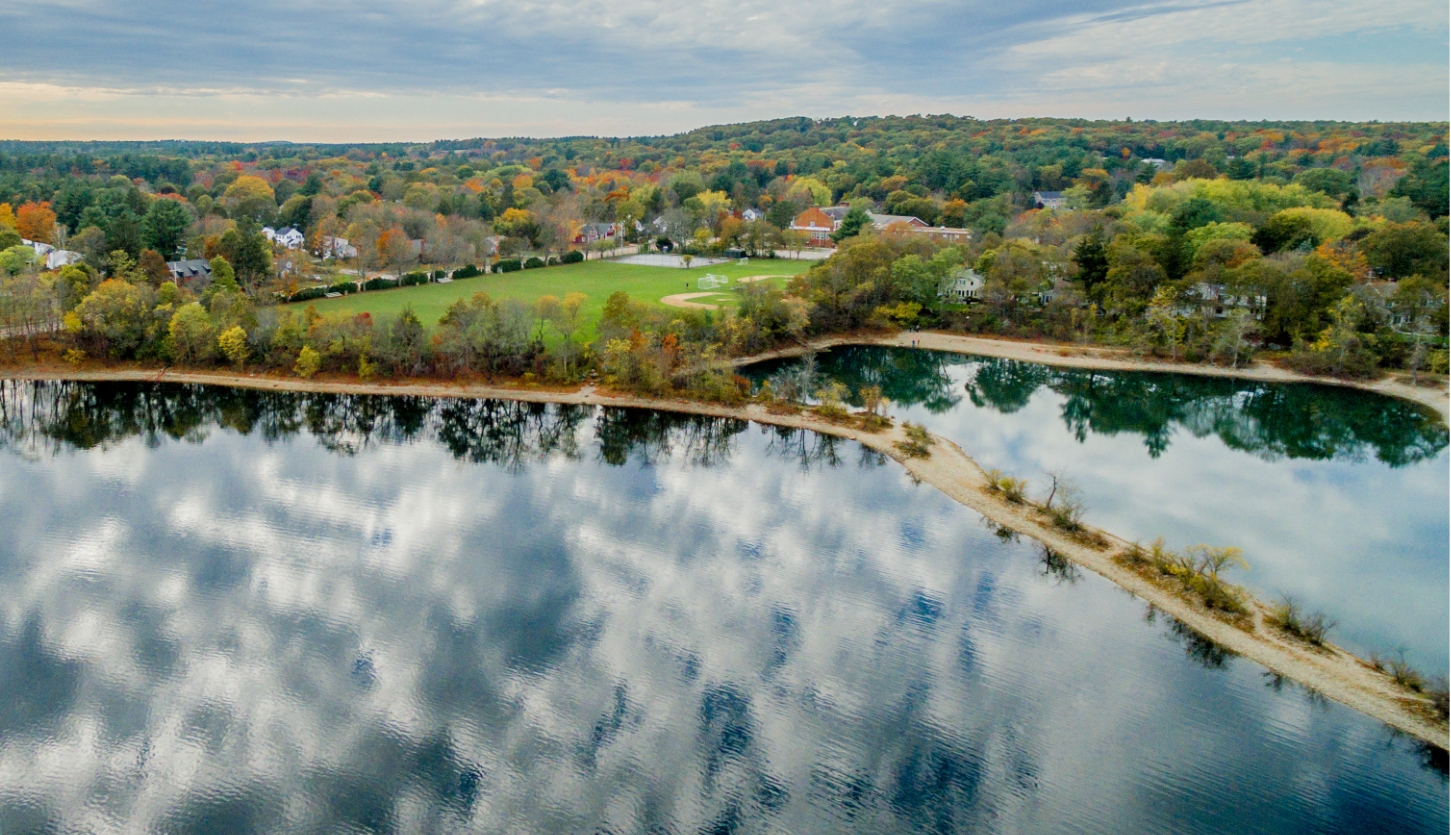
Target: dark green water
x,y
1338,497
233,612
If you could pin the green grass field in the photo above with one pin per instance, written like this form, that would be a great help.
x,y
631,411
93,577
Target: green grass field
x,y
596,279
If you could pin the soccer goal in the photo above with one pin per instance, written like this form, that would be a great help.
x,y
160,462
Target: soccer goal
x,y
711,281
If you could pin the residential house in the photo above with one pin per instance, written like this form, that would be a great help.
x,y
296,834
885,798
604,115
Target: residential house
x,y
334,247
189,270
1402,314
57,258
966,286
41,249
1159,164
1214,300
750,215
1049,200
591,232
817,225
288,238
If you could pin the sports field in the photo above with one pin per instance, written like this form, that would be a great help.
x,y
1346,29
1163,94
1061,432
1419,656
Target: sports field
x,y
596,279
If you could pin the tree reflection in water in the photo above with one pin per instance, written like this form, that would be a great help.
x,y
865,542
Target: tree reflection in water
x,y
1270,420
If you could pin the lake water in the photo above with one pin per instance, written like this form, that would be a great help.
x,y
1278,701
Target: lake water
x,y
1338,497
230,612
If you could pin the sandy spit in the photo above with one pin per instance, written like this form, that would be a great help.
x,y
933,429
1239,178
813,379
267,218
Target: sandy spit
x,y
1332,672
1108,359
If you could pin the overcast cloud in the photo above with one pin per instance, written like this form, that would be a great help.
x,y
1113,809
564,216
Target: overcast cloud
x,y
369,70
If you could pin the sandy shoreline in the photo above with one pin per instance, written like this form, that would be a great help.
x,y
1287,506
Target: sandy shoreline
x,y
1334,673
1107,359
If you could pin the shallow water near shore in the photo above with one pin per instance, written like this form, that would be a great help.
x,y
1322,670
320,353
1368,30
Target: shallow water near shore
x,y
229,611
1338,497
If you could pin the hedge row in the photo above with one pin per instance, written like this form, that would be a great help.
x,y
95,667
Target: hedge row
x,y
417,277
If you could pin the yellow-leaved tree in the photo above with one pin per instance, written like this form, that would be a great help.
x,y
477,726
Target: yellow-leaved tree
x,y
233,343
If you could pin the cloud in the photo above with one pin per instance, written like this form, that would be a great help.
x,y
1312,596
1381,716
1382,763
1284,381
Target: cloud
x,y
319,71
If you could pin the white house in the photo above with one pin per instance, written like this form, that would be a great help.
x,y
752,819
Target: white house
x,y
750,215
288,238
61,258
1049,200
334,247
966,286
41,249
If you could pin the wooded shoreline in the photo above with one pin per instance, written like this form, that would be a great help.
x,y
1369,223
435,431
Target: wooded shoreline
x,y
1108,359
1329,670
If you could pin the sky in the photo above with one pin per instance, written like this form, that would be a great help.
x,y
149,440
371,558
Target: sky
x,y
366,70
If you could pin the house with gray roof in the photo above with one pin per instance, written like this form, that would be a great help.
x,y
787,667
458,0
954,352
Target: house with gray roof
x,y
189,270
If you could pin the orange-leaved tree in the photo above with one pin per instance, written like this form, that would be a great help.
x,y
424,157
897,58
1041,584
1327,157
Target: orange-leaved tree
x,y
36,222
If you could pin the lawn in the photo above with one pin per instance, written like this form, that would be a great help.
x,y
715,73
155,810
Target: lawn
x,y
596,279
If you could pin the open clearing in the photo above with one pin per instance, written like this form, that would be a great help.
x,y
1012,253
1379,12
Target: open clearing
x,y
596,279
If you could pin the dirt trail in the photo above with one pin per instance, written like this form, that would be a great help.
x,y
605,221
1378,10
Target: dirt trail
x,y
684,300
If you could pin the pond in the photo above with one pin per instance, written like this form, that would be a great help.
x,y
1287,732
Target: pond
x,y
1338,497
231,612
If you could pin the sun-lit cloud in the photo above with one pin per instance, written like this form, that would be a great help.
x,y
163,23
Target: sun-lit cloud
x,y
365,70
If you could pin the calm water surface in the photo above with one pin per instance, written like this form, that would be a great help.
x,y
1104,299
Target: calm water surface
x,y
229,612
1338,497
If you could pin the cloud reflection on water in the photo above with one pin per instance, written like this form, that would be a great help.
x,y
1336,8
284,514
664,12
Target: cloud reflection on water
x,y
250,634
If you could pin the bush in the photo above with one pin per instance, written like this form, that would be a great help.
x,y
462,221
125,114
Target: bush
x,y
1441,699
1011,488
1403,674
437,274
1196,571
467,271
308,294
508,265
379,283
574,256
1310,628
413,279
1065,504
534,263
918,443
831,406
343,287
